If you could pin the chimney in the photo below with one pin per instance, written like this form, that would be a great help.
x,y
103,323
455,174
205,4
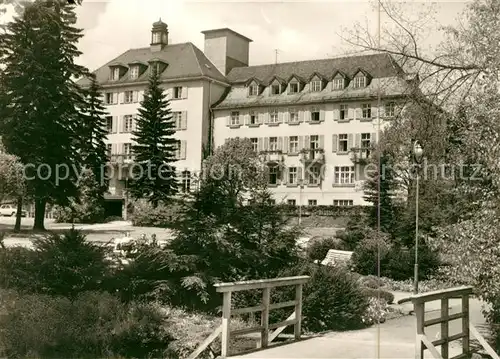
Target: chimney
x,y
159,36
226,49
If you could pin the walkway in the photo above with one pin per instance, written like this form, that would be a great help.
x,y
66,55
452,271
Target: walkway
x,y
397,339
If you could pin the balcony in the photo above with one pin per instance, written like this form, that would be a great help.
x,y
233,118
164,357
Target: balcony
x,y
120,158
272,156
360,155
312,155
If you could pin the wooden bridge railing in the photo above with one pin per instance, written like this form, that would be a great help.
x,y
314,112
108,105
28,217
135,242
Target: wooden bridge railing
x,y
423,342
265,307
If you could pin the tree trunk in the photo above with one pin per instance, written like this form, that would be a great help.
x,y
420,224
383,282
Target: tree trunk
x,y
39,214
19,211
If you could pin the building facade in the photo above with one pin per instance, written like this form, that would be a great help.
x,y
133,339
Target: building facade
x,y
193,84
314,122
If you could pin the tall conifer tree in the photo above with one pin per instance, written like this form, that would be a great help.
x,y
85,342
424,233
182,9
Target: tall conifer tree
x,y
154,177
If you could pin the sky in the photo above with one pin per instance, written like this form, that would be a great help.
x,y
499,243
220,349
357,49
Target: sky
x,y
298,30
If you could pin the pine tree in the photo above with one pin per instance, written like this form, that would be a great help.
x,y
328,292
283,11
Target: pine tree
x,y
154,175
371,189
42,119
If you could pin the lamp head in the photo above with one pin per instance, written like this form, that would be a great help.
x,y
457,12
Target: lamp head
x,y
417,151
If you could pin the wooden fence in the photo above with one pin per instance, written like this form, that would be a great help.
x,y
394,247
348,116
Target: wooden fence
x,y
266,336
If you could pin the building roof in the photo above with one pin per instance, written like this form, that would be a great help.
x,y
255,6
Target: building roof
x,y
184,61
377,65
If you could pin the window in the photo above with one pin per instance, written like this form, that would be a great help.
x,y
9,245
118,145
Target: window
x,y
186,181
273,116
109,124
253,118
359,81
235,118
134,72
177,118
315,114
177,92
343,143
343,112
313,176
314,142
367,110
156,37
110,98
365,140
108,149
338,83
292,175
127,151
129,96
294,87
316,86
344,175
253,90
255,143
291,202
390,109
342,202
275,89
294,116
273,143
312,202
273,175
294,144
115,73
128,122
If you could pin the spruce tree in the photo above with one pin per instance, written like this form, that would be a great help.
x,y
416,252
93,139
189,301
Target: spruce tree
x,y
154,177
42,120
385,174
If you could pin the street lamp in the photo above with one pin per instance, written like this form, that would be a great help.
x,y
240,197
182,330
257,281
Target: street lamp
x,y
417,154
301,187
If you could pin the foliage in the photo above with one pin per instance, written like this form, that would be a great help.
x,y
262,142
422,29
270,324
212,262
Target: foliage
x,y
388,297
91,326
154,177
18,269
32,127
376,312
371,251
399,263
12,181
426,285
163,216
354,232
317,249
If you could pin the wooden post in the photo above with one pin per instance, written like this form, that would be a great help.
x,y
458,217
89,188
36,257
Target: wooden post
x,y
444,328
465,325
226,321
264,319
420,314
298,311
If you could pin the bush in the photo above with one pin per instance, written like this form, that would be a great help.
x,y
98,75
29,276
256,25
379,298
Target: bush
x,y
113,219
376,311
163,216
376,293
318,248
332,299
366,254
371,281
399,263
18,269
93,325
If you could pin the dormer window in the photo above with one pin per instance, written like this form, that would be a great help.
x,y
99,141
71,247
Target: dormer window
x,y
134,72
157,65
359,81
294,87
275,89
115,73
338,83
253,89
316,85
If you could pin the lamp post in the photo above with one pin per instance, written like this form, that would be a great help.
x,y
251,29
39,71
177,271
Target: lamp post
x,y
301,187
417,153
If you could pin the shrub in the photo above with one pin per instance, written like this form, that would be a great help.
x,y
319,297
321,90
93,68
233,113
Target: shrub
x,y
365,259
332,299
371,281
93,325
18,269
399,263
163,216
376,311
376,293
113,219
318,248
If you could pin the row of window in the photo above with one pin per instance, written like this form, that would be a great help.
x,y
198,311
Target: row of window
x,y
292,176
131,96
314,202
341,143
314,114
134,71
316,84
127,123
125,151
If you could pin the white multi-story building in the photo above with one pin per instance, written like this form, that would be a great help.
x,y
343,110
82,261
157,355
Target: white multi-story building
x,y
313,122
193,84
